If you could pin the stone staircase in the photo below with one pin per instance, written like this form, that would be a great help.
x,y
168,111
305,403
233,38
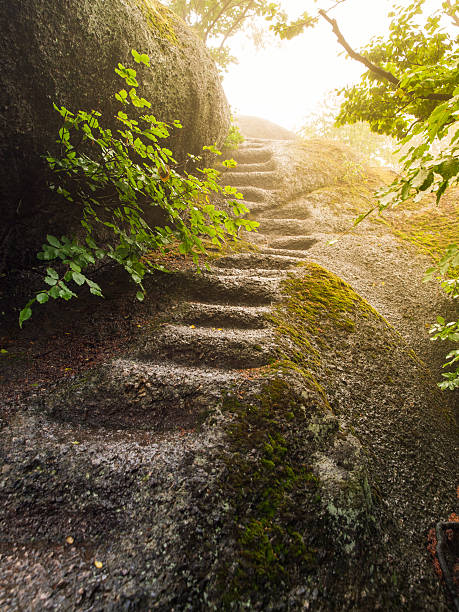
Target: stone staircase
x,y
118,461
292,235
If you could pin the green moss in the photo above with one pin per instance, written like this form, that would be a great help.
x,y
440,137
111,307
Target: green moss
x,y
316,305
428,226
269,482
273,434
159,19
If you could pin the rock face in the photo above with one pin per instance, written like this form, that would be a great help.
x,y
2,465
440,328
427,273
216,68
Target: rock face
x,y
66,53
269,442
255,127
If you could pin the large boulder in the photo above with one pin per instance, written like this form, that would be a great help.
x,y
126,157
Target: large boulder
x,y
66,52
255,127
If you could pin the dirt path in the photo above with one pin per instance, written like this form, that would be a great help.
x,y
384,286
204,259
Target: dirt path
x,y
118,485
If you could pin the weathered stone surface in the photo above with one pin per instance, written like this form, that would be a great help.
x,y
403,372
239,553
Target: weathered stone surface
x,y
66,53
254,127
309,483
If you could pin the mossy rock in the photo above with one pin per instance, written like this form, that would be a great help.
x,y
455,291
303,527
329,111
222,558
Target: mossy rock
x,y
66,53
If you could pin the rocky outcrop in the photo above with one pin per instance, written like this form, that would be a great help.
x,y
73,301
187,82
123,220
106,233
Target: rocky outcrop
x,y
269,442
255,127
66,53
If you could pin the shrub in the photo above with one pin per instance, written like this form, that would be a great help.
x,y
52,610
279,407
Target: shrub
x,y
114,178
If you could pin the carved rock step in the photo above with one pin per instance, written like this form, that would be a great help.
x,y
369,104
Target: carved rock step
x,y
256,194
131,395
293,254
267,273
218,316
259,239
261,167
302,243
285,227
266,180
201,346
249,261
252,155
261,141
243,290
255,208
252,143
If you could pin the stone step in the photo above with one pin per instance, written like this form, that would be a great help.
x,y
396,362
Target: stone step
x,y
252,143
297,209
294,254
250,261
285,227
256,208
215,288
301,243
265,180
259,239
258,272
256,167
251,155
256,194
200,346
218,316
133,395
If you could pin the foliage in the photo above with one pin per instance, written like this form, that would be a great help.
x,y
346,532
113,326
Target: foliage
x,y
321,124
217,21
234,136
422,112
115,179
447,271
431,165
424,62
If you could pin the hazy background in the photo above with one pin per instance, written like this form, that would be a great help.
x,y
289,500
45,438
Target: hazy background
x,y
287,80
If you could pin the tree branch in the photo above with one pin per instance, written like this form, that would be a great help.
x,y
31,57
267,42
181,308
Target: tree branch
x,y
209,27
380,72
235,25
377,70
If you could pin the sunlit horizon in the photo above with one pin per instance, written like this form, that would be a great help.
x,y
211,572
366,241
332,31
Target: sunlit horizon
x,y
286,81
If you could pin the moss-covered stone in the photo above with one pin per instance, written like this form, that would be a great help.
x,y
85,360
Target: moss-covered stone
x,y
159,18
273,491
66,53
295,478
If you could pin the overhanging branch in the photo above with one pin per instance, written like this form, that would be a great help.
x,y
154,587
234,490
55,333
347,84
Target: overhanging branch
x,y
374,68
380,72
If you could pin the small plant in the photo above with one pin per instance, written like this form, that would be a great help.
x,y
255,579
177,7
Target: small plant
x,y
447,273
114,177
234,137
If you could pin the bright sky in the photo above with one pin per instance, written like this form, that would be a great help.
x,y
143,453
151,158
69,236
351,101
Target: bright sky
x,y
286,81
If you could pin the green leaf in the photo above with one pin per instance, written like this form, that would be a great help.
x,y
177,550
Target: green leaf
x,y
140,295
78,278
42,298
54,292
52,273
53,241
25,314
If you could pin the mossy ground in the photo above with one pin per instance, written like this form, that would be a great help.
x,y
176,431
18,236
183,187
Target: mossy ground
x,y
159,19
273,490
279,522
430,227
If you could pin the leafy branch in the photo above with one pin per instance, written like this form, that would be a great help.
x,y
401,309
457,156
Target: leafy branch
x,y
114,179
